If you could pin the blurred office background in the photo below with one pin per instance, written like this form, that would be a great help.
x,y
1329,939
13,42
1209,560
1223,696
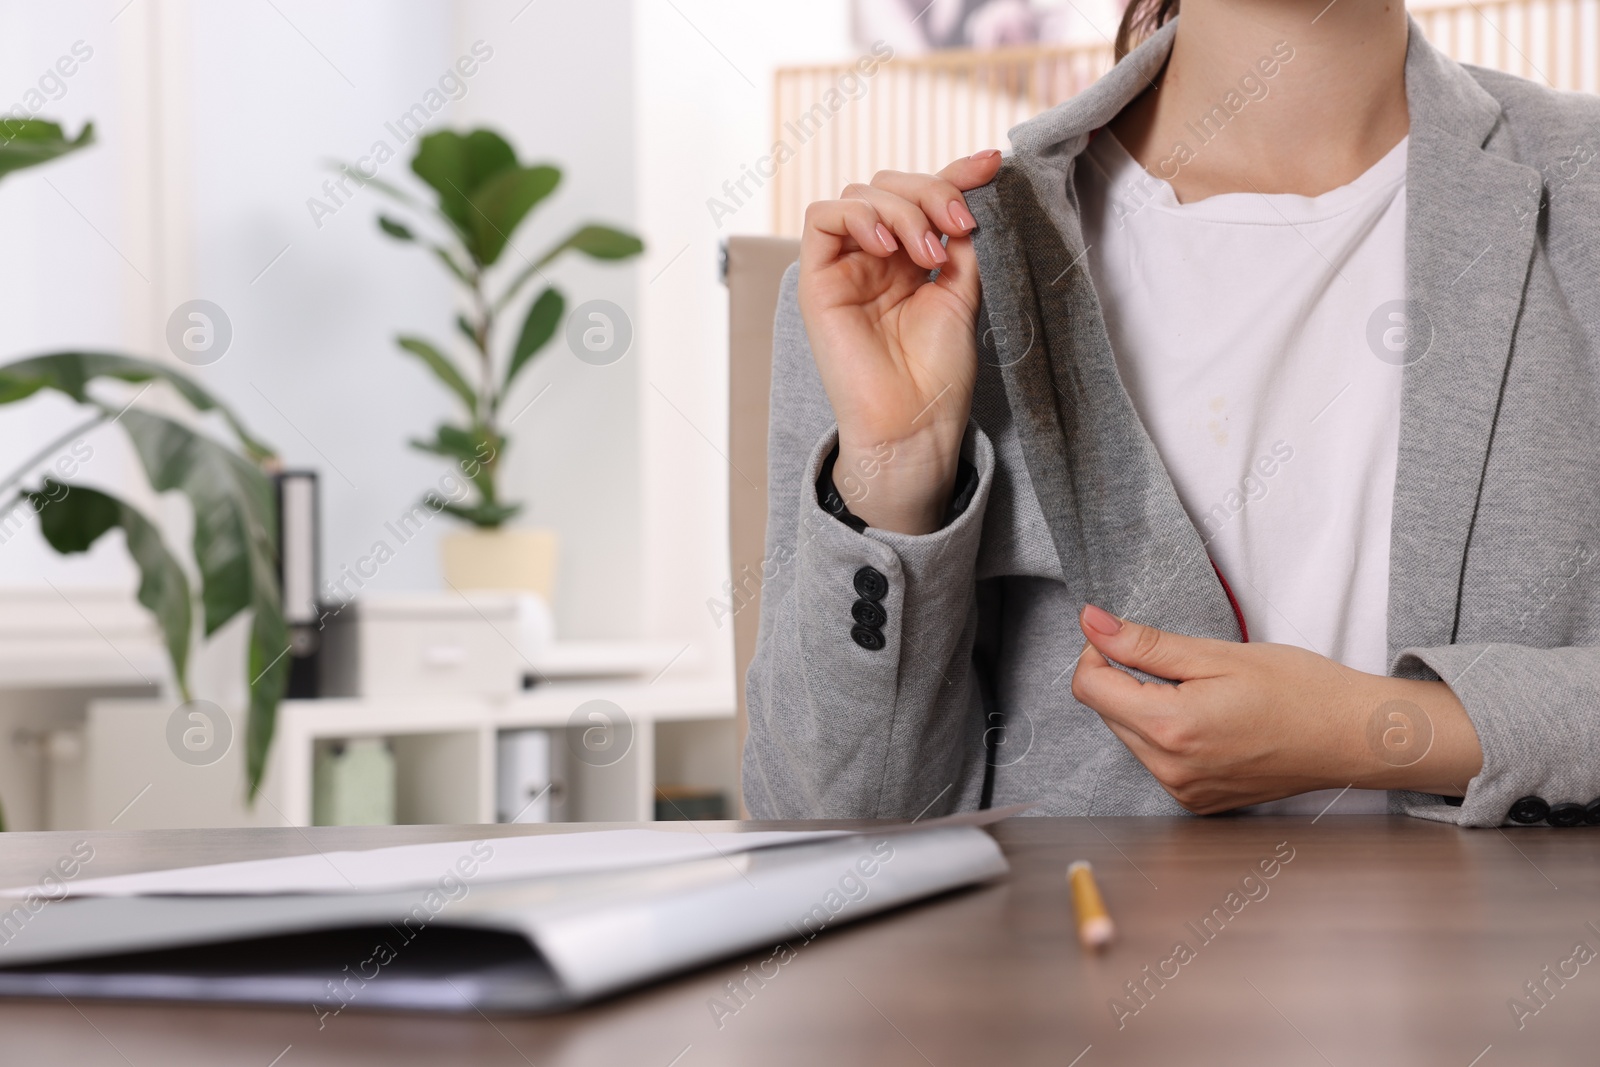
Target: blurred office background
x,y
610,692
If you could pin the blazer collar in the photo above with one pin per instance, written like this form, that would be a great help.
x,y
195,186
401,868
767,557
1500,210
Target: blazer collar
x,y
1439,92
1056,136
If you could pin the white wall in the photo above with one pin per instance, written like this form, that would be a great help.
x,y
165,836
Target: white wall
x,y
316,368
66,258
216,123
561,87
703,72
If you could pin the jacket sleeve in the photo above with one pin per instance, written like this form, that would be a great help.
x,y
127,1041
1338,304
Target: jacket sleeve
x,y
838,729
1537,714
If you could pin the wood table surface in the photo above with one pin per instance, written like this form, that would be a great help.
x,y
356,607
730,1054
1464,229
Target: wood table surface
x,y
1378,940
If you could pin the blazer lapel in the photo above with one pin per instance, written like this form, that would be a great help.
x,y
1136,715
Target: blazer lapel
x,y
1471,217
1120,531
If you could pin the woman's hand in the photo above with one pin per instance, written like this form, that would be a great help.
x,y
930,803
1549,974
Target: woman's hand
x,y
896,352
1248,723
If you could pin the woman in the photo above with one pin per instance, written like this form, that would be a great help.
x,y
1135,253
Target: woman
x,y
1263,476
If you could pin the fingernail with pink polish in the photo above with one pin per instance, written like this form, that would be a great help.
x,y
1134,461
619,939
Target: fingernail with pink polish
x,y
962,217
886,237
1100,620
935,250
987,153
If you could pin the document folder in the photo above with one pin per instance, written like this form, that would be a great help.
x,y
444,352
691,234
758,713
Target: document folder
x,y
524,945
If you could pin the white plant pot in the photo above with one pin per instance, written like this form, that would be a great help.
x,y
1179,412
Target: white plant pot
x,y
521,559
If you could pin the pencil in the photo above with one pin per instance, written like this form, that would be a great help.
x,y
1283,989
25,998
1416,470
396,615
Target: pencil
x,y
1094,923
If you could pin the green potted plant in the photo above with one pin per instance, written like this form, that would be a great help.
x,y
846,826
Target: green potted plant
x,y
235,522
480,194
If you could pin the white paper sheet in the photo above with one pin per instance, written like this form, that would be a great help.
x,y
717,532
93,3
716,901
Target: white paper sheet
x,y
406,867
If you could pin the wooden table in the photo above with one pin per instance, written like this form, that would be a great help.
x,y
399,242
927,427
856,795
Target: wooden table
x,y
1381,941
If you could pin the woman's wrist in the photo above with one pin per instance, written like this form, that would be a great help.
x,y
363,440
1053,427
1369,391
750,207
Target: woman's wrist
x,y
1415,735
902,486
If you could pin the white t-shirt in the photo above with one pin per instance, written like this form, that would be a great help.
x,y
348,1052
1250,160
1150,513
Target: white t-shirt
x,y
1241,326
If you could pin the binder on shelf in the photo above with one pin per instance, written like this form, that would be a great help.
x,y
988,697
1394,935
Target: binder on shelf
x,y
299,577
530,783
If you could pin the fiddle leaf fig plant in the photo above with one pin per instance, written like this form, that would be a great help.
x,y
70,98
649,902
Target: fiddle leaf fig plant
x,y
234,541
481,194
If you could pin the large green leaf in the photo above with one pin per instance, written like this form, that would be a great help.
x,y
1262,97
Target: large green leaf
x,y
72,518
235,515
236,549
544,317
503,201
269,671
71,372
456,164
442,368
29,142
235,519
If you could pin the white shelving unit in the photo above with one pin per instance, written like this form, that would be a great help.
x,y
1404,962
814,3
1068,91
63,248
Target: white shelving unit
x,y
84,714
445,749
60,649
682,733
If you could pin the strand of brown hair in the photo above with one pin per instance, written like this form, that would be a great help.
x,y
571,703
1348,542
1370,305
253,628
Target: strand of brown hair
x,y
1140,19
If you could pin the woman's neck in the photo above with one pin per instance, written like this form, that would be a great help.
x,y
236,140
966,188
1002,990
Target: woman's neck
x,y
1273,96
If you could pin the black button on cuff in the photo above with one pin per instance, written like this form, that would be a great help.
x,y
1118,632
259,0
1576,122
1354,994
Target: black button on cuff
x,y
868,638
869,614
1591,813
1566,815
871,584
1529,810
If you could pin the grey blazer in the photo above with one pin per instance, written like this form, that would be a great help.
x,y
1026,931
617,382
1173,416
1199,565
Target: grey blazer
x,y
1495,549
